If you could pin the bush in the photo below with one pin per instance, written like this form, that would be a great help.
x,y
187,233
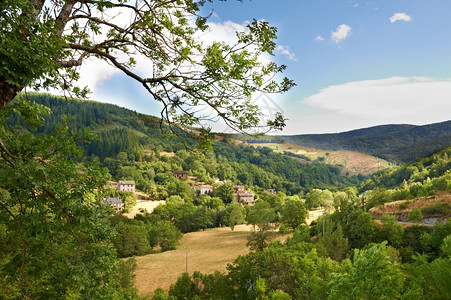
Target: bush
x,y
415,215
438,208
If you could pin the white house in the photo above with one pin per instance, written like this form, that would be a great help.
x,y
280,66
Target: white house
x,y
205,189
126,186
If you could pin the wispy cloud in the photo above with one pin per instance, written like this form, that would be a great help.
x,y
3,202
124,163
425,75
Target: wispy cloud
x,y
319,38
284,50
386,101
341,33
400,17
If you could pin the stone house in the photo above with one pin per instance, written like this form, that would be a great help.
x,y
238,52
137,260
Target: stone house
x,y
126,186
180,174
245,197
116,203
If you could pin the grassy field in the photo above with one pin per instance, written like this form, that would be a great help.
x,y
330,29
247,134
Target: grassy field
x,y
209,250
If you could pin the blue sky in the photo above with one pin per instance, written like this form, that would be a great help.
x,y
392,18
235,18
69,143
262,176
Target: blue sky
x,y
356,63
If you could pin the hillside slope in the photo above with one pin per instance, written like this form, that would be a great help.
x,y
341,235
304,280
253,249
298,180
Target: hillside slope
x,y
130,146
401,142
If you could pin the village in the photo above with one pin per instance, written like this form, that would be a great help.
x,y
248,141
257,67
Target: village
x,y
241,195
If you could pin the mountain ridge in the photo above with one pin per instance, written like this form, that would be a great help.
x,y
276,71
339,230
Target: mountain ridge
x,y
393,141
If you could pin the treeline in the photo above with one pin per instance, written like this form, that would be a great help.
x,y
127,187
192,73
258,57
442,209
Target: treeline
x,y
82,114
99,117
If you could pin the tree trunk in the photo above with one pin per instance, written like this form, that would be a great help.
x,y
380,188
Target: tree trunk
x,y
7,91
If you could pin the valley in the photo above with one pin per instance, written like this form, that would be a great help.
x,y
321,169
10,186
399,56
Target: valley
x,y
199,150
298,214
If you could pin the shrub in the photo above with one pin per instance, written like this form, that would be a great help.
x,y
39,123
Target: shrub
x,y
415,215
438,208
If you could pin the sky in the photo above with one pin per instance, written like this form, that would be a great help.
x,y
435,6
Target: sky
x,y
356,63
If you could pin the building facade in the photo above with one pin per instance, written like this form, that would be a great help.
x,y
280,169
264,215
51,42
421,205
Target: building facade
x,y
205,189
116,203
180,174
126,186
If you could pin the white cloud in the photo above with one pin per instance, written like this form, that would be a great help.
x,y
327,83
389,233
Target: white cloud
x,y
94,72
396,100
319,38
222,32
341,33
355,5
400,17
284,50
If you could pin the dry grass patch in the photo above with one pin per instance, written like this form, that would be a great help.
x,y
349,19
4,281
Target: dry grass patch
x,y
148,205
209,251
402,208
352,162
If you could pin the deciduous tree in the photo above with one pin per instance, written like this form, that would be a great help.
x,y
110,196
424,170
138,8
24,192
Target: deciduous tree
x,y
44,41
54,234
294,213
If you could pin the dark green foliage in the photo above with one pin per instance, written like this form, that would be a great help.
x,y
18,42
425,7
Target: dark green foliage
x,y
431,279
226,193
184,288
412,237
438,208
334,242
187,217
303,269
235,215
415,178
129,145
131,239
261,215
55,236
294,213
164,234
358,227
301,274
127,277
415,215
439,232
391,231
301,234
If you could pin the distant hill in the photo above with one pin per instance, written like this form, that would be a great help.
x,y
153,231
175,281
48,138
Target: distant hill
x,y
400,142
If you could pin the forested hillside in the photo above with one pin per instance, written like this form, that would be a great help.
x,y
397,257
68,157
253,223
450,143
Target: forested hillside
x,y
399,142
140,142
426,176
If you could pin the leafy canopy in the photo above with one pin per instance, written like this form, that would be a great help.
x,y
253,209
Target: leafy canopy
x,y
43,42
